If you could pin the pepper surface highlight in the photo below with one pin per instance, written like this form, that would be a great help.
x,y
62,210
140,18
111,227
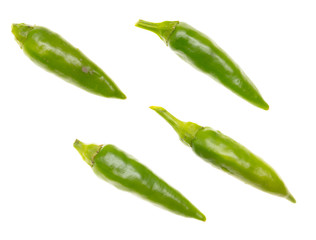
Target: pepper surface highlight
x,y
228,155
50,51
201,52
124,172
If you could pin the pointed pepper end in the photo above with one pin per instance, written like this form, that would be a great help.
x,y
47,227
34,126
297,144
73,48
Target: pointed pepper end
x,y
115,93
265,106
121,96
291,198
200,216
261,103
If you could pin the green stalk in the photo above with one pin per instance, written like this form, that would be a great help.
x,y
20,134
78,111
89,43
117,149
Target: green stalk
x,y
163,29
20,31
185,130
87,151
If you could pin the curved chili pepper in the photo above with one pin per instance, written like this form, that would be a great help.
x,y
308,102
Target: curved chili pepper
x,y
56,55
228,155
124,172
201,52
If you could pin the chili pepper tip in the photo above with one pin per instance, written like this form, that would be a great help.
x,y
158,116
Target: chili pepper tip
x,y
291,198
265,106
201,216
121,95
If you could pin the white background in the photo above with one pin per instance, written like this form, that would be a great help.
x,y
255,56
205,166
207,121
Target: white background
x,y
47,190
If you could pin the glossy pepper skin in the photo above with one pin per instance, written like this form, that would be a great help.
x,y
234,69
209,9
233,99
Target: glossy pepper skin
x,y
228,155
201,52
56,55
124,172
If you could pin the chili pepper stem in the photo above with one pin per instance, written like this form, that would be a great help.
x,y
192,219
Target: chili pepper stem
x,y
87,151
163,29
20,32
185,130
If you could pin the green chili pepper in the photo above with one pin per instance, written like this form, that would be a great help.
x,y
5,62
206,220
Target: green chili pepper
x,y
201,52
53,53
228,155
124,172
